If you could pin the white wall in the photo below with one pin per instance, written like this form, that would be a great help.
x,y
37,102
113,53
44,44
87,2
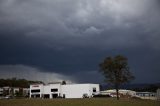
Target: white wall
x,y
158,94
1,91
46,89
56,86
70,91
15,90
94,86
36,86
78,90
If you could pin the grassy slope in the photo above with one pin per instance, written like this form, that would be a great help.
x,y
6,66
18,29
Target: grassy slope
x,y
78,102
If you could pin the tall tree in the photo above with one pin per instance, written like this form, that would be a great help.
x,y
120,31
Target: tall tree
x,y
116,71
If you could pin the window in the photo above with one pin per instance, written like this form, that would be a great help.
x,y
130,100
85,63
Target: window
x,y
94,89
35,90
35,96
64,96
46,95
54,95
54,90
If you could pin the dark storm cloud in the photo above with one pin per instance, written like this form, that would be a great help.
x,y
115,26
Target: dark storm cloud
x,y
71,37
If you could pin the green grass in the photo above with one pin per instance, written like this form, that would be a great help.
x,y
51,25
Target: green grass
x,y
78,102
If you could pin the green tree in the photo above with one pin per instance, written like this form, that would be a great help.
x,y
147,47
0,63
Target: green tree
x,y
116,71
63,82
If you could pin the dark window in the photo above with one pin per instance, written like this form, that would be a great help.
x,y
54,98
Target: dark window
x,y
38,96
35,96
35,90
54,90
64,96
32,96
94,89
46,96
54,95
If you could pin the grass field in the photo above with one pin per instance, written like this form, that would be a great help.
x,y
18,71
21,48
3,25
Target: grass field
x,y
78,102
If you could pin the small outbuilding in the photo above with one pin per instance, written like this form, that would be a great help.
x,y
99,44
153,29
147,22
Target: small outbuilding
x,y
146,95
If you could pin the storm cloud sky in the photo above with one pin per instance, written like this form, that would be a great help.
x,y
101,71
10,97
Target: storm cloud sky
x,y
52,40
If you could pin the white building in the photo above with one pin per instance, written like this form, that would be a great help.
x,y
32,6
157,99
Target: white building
x,y
1,91
36,90
55,90
146,95
26,92
15,90
7,90
158,94
124,92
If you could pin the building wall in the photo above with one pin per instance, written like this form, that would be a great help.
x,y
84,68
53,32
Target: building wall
x,y
15,90
26,92
79,90
52,89
1,91
94,88
132,93
75,90
35,87
158,94
7,90
66,91
122,92
146,95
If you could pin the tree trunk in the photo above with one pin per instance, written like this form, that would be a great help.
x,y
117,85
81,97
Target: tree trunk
x,y
117,93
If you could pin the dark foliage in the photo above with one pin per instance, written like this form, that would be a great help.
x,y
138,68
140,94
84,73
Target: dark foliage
x,y
14,82
116,71
148,88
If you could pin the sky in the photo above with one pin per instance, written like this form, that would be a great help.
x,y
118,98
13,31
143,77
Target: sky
x,y
55,40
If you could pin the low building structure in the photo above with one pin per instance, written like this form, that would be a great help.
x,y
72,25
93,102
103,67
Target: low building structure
x,y
14,91
7,91
146,95
158,94
55,90
26,92
122,92
1,92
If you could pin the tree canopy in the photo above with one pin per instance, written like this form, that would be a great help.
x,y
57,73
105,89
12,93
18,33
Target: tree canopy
x,y
14,82
116,71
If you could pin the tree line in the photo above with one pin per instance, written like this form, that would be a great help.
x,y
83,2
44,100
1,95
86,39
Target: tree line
x,y
148,88
14,82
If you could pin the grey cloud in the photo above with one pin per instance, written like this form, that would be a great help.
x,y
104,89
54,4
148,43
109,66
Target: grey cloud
x,y
61,35
31,73
72,20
